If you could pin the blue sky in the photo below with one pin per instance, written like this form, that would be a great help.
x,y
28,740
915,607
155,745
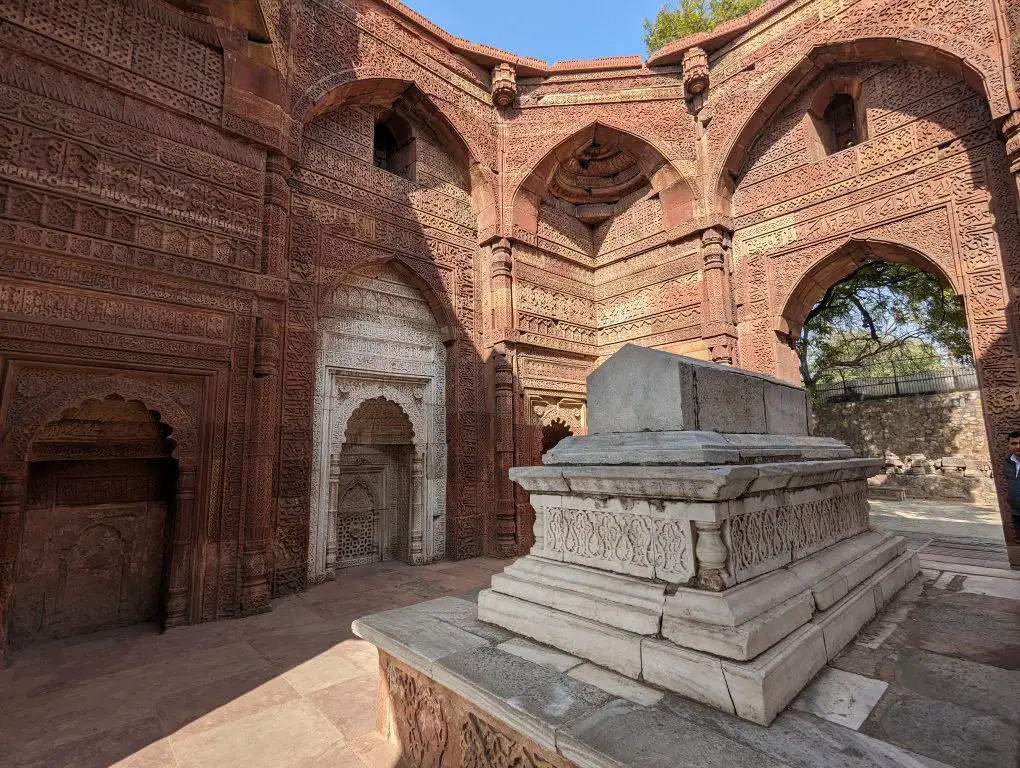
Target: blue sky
x,y
553,30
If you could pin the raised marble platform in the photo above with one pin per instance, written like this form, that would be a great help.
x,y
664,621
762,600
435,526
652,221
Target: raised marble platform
x,y
700,538
455,691
699,542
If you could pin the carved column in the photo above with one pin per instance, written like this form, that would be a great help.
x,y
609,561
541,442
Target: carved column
x,y
262,442
710,553
13,480
277,216
506,519
501,286
417,506
180,554
718,328
331,515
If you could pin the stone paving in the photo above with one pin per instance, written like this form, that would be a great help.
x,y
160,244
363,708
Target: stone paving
x,y
934,681
938,518
292,687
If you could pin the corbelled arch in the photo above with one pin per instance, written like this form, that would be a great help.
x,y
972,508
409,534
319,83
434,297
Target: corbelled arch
x,y
375,87
940,52
676,192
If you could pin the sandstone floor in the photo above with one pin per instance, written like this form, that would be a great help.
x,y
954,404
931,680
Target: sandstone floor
x,y
934,681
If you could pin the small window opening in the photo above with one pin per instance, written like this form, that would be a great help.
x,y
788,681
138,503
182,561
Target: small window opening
x,y
842,128
385,148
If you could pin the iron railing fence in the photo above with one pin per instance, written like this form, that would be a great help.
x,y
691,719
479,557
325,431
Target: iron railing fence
x,y
952,378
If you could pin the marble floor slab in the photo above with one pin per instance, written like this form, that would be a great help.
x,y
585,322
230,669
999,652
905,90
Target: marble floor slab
x,y
843,698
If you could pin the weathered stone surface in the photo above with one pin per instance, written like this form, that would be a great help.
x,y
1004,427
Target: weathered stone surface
x,y
539,654
624,733
695,675
841,622
762,688
840,697
619,601
414,638
645,390
946,732
592,640
616,685
733,606
531,699
801,740
434,726
746,640
641,390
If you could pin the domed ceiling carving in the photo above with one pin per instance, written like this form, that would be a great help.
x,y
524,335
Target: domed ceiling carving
x,y
598,172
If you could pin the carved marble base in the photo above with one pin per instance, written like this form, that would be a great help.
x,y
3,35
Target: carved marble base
x,y
748,650
435,727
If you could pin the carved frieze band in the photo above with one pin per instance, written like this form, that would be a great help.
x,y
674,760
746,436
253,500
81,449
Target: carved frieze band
x,y
761,540
635,544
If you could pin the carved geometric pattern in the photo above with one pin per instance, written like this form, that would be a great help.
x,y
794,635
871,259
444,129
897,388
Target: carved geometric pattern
x,y
627,543
770,534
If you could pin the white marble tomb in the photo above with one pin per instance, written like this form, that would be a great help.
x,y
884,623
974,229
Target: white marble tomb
x,y
699,539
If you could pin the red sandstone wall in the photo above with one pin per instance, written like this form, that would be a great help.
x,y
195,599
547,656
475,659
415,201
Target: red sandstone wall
x,y
175,197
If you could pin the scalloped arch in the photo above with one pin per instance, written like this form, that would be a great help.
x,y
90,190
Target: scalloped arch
x,y
20,432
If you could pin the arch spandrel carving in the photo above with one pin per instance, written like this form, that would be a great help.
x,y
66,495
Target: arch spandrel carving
x,y
558,157
377,87
743,119
56,396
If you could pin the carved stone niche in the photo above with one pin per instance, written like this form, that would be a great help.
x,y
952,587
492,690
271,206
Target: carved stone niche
x,y
695,66
697,521
504,85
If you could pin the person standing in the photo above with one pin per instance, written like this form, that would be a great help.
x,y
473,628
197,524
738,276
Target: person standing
x,y
1012,472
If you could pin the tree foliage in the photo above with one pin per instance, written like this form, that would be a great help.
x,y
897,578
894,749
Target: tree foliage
x,y
687,17
884,318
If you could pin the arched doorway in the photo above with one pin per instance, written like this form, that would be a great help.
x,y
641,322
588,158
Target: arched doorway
x,y
379,473
94,551
375,486
552,433
926,176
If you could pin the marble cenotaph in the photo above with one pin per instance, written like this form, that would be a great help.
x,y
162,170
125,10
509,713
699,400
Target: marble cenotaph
x,y
699,541
699,538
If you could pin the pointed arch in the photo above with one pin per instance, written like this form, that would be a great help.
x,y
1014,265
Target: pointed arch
x,y
941,52
425,277
838,264
376,87
676,192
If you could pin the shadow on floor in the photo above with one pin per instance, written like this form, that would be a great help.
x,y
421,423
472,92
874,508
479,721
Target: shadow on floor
x,y
292,687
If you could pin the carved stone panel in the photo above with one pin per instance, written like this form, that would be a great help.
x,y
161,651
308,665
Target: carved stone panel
x,y
380,343
434,727
92,551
